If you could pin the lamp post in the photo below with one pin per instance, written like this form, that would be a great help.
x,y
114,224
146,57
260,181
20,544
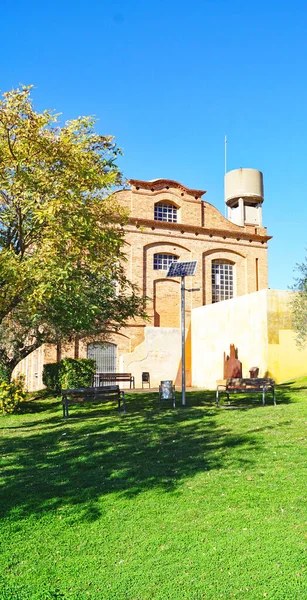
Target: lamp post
x,y
182,321
182,269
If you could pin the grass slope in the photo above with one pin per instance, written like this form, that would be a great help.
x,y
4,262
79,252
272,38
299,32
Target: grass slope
x,y
194,503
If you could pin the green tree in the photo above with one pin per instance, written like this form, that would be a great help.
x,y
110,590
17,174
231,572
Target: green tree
x,y
299,304
61,230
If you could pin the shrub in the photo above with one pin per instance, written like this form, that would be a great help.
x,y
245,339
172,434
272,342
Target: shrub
x,y
69,373
51,376
12,394
5,374
77,372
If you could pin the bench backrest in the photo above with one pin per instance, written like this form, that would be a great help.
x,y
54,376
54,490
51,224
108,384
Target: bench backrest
x,y
253,382
95,392
113,375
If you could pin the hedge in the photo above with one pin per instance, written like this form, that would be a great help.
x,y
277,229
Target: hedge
x,y
51,376
69,373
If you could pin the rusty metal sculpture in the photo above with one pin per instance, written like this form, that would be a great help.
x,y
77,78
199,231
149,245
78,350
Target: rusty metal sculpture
x,y
232,365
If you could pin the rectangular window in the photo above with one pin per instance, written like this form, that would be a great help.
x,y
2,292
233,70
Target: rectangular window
x,y
222,281
163,261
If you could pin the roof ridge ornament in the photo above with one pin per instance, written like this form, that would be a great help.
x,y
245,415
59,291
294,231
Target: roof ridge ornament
x,y
155,183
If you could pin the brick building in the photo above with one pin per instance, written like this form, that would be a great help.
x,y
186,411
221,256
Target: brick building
x,y
171,222
168,222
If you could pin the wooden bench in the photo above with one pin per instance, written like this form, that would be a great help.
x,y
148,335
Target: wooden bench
x,y
246,386
92,394
102,378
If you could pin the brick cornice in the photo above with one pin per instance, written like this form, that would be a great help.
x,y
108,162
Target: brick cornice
x,y
224,233
166,183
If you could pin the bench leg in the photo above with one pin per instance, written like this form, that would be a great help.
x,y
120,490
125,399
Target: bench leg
x,y
274,397
218,394
263,397
123,398
65,408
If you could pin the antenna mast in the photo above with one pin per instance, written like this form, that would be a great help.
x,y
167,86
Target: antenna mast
x,y
225,165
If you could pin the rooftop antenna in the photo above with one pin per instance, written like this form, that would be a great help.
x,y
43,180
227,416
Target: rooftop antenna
x,y
225,165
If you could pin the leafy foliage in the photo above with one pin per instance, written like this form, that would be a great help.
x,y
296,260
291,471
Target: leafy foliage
x,y
11,395
61,230
4,373
69,373
77,372
51,376
299,304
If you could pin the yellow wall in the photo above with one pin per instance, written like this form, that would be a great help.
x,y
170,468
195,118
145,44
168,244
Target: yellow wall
x,y
285,359
259,325
241,321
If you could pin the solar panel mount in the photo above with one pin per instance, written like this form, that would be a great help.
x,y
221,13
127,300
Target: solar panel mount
x,y
182,269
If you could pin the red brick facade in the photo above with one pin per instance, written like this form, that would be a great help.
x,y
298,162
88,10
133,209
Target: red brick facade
x,y
201,233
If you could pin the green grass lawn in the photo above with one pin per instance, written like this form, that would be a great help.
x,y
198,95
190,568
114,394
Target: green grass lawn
x,y
191,503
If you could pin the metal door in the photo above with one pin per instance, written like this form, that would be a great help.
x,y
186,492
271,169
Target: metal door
x,y
105,355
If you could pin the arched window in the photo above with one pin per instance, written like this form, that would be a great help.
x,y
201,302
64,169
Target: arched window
x,y
222,280
163,261
165,211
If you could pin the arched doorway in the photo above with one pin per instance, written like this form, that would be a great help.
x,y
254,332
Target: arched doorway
x,y
105,355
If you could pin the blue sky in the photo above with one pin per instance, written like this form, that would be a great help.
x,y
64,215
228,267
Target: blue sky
x,y
169,79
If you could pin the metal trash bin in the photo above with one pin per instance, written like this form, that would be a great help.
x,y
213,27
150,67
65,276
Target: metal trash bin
x,y
254,372
167,391
145,378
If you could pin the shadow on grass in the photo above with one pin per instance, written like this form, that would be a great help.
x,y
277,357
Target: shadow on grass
x,y
51,464
241,401
286,387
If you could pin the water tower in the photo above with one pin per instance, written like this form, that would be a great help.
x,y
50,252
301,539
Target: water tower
x,y
244,196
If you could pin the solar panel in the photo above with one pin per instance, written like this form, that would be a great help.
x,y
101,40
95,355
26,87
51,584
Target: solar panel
x,y
182,269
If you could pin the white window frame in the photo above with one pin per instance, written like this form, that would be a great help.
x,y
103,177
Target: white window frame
x,y
166,211
162,260
222,280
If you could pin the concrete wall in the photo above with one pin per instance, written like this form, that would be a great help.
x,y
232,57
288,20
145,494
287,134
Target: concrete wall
x,y
241,321
259,325
159,354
